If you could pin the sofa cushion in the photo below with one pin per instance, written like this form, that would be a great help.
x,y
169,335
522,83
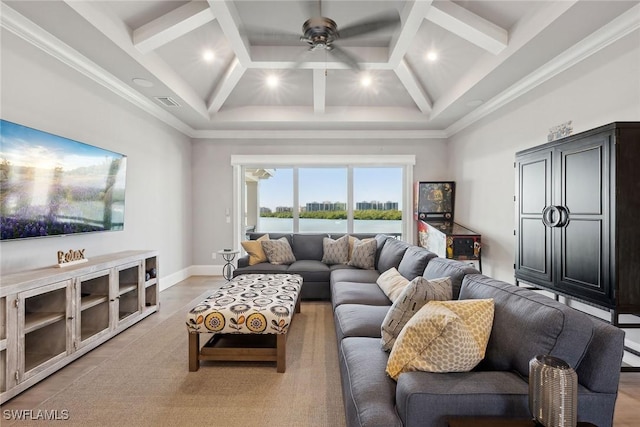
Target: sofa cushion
x,y
392,283
272,236
456,270
527,324
358,320
278,251
262,268
364,254
348,273
391,254
255,251
310,270
416,294
358,293
308,246
414,261
335,251
443,336
369,394
429,399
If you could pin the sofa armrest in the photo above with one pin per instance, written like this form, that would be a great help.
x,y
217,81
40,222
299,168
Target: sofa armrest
x,y
429,399
243,261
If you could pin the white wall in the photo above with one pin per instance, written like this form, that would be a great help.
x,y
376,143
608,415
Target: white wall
x,y
40,92
602,89
213,180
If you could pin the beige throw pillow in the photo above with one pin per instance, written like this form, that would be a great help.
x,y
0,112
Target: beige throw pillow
x,y
364,254
278,251
254,249
392,283
416,294
443,336
335,251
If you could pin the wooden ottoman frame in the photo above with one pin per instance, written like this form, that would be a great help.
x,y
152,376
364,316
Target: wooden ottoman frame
x,y
245,347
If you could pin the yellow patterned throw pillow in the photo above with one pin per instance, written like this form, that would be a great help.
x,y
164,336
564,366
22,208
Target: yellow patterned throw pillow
x,y
254,249
443,336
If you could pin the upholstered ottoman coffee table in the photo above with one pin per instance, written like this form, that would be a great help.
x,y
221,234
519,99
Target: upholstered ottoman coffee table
x,y
249,318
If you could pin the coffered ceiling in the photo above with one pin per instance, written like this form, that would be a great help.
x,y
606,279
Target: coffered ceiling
x,y
254,85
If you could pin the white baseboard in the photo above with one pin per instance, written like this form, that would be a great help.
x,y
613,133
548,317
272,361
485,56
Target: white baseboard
x,y
193,270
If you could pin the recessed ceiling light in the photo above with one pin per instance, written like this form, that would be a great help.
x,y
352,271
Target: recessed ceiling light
x,y
432,55
208,55
366,80
272,80
142,82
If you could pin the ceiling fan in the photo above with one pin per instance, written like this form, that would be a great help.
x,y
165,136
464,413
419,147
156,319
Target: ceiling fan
x,y
321,33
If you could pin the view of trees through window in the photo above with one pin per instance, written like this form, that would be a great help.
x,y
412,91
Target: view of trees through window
x,y
330,200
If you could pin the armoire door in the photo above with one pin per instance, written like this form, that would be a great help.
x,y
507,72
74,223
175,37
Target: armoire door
x,y
534,241
582,243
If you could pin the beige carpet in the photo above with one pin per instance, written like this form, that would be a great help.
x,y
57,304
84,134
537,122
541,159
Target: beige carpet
x,y
148,384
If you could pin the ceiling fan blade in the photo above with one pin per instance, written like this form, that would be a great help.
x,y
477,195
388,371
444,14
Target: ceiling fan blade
x,y
345,57
387,20
301,58
270,36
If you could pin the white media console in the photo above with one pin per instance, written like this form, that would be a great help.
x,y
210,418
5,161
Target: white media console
x,y
51,316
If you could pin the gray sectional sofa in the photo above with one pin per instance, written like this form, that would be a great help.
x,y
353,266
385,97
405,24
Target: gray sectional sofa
x,y
525,324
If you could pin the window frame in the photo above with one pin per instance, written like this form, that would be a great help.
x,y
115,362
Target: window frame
x,y
239,162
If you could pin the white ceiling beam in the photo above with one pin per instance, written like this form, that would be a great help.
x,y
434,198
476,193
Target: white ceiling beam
x,y
321,135
172,25
298,57
319,90
225,87
469,26
116,30
245,117
230,22
409,81
520,34
411,17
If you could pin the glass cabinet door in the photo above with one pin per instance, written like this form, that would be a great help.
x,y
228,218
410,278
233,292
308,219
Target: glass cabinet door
x,y
92,306
44,318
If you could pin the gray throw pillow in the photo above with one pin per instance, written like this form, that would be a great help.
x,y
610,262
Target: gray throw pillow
x,y
416,294
278,251
364,254
335,251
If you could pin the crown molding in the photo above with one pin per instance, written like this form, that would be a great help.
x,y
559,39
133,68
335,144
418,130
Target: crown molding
x,y
24,28
320,134
620,27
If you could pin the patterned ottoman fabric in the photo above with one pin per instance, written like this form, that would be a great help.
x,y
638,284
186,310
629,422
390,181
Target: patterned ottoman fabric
x,y
249,304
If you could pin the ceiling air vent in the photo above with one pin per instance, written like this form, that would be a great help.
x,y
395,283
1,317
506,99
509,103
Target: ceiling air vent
x,y
167,101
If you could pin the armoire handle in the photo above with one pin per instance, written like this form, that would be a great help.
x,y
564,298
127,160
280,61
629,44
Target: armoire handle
x,y
561,216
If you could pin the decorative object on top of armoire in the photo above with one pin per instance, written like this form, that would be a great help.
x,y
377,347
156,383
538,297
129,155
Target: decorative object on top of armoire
x,y
577,232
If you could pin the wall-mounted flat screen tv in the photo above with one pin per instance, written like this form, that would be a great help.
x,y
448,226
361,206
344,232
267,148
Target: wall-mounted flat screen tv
x,y
51,185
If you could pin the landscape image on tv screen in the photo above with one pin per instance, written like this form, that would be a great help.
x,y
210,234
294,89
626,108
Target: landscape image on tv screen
x,y
50,185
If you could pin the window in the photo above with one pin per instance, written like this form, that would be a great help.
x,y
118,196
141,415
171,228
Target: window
x,y
377,200
272,204
323,194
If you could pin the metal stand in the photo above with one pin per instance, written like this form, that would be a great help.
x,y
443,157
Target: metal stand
x,y
228,255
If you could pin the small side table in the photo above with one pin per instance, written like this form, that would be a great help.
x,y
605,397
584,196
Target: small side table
x,y
228,255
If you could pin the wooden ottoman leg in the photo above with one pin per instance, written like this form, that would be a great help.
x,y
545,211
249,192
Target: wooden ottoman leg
x,y
281,352
194,352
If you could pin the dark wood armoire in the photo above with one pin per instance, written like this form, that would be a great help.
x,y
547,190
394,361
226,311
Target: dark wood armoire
x,y
578,217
